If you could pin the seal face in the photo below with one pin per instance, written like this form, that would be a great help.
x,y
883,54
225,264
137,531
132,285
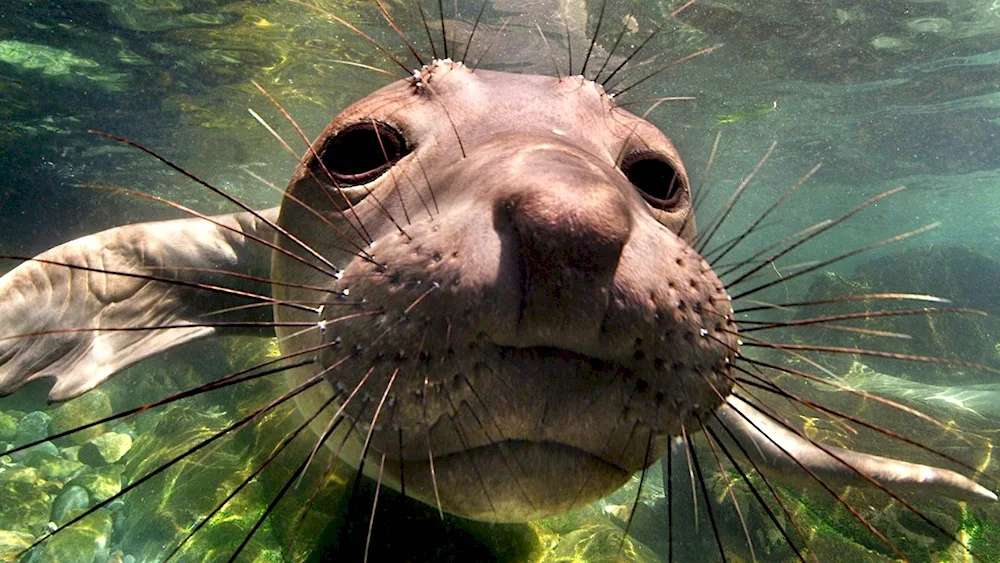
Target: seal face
x,y
517,300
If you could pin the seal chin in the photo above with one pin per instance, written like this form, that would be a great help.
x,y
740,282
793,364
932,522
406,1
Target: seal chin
x,y
514,480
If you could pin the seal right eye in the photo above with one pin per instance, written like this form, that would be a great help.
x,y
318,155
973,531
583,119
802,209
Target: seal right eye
x,y
659,182
362,152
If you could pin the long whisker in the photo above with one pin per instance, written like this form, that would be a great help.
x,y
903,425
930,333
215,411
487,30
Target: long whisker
x,y
232,494
360,228
702,241
753,226
729,490
593,39
472,34
399,31
635,52
371,519
174,461
693,455
220,224
221,193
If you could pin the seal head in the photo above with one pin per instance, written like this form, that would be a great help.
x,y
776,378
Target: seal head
x,y
526,315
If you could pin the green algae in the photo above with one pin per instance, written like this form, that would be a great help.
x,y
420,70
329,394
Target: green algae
x,y
58,63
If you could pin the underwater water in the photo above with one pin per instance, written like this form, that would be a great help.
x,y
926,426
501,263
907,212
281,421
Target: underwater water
x,y
881,94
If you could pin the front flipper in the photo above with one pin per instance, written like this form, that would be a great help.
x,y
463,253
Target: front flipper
x,y
82,324
773,448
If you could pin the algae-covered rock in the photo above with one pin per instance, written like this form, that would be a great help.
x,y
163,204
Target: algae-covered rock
x,y
8,427
32,427
84,541
71,502
20,475
57,468
104,449
25,507
86,408
13,543
597,543
965,277
101,482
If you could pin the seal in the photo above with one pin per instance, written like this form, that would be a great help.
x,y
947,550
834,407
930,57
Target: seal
x,y
487,281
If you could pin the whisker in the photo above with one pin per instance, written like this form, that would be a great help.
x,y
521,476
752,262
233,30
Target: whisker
x,y
148,277
753,226
700,194
360,229
173,461
475,26
723,214
399,31
693,456
638,493
221,193
427,28
876,354
845,298
356,31
665,68
489,46
635,52
246,481
593,39
729,490
444,31
760,500
569,42
913,510
827,225
768,325
194,213
371,520
853,511
775,389
552,55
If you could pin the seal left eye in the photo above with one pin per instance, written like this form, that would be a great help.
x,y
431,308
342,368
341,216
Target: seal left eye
x,y
656,178
362,152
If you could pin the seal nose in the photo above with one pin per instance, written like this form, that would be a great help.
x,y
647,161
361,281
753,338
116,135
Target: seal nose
x,y
570,221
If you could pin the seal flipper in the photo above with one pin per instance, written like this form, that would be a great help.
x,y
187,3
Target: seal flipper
x,y
49,302
771,446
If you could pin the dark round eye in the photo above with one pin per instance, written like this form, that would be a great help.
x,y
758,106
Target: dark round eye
x,y
362,152
656,178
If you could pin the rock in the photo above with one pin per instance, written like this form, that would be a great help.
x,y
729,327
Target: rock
x,y
54,467
965,276
598,543
32,427
102,483
31,455
20,475
13,543
8,427
106,448
84,541
84,409
70,503
71,453
25,508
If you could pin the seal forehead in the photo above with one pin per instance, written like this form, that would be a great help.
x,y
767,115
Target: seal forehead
x,y
446,101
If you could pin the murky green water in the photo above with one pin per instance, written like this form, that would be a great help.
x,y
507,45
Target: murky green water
x,y
882,94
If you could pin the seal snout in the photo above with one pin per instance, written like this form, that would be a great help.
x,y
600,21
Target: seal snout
x,y
568,222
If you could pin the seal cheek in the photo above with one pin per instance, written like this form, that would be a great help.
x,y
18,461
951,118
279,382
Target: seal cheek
x,y
568,223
